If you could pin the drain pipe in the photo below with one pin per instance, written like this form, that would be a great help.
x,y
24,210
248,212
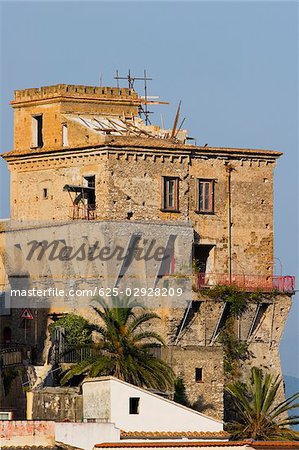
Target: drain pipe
x,y
229,170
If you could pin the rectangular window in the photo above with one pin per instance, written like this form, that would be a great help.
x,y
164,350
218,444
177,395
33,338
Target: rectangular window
x,y
37,131
65,141
198,374
205,196
45,193
91,196
170,194
134,405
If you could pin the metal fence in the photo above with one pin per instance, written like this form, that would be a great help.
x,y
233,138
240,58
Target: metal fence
x,y
76,355
11,356
262,283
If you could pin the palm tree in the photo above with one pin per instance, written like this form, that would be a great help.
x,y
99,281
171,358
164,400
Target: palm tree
x,y
259,416
124,349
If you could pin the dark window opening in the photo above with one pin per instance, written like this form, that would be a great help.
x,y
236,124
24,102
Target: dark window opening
x,y
91,196
205,194
198,374
6,335
37,130
170,194
134,405
64,135
201,254
45,193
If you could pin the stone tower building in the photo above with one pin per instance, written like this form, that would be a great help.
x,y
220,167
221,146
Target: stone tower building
x,y
85,163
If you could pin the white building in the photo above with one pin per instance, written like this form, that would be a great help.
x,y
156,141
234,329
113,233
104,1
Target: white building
x,y
130,408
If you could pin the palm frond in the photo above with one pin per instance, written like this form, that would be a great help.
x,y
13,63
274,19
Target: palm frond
x,y
141,319
259,417
148,336
124,351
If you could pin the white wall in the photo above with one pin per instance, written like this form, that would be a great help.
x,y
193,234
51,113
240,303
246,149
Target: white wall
x,y
85,435
155,413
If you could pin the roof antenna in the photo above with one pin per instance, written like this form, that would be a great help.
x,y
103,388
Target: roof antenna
x,y
101,79
175,124
117,79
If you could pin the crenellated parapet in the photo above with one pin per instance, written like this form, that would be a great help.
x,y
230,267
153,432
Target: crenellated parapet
x,y
74,91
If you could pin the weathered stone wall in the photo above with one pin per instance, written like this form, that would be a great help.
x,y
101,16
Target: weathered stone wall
x,y
206,395
57,404
132,183
265,339
27,201
54,101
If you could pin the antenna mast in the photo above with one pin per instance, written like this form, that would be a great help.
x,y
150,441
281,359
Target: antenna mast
x,y
143,110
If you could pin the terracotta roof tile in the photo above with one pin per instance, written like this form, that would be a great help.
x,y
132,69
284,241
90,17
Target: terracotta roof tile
x,y
280,445
174,434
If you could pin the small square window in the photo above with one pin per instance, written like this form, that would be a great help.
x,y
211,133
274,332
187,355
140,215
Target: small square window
x,y
170,194
134,405
198,374
205,196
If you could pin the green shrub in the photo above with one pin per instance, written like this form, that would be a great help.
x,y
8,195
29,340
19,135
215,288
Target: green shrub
x,y
77,330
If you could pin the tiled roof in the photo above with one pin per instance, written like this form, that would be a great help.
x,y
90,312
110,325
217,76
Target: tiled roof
x,y
174,434
280,445
31,447
58,446
275,444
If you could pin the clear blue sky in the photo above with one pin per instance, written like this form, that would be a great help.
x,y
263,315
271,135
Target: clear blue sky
x,y
233,64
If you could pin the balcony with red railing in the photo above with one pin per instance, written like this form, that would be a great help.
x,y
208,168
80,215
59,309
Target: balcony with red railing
x,y
250,283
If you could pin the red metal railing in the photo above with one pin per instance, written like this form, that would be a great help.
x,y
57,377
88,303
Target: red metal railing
x,y
247,282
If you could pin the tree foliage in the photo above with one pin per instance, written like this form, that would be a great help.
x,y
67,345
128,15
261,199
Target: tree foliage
x,y
77,330
124,348
8,376
233,296
259,415
180,394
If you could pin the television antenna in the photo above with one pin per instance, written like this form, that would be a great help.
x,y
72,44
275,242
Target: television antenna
x,y
145,99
